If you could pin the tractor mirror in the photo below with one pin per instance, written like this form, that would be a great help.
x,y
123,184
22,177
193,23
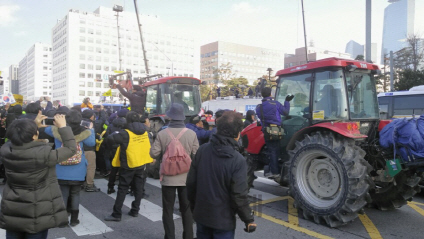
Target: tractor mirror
x,y
204,82
376,72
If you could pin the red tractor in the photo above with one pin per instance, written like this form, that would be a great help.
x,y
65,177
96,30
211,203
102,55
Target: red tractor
x,y
331,159
160,94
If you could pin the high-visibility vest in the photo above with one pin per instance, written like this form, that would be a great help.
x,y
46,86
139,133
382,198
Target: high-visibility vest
x,y
138,151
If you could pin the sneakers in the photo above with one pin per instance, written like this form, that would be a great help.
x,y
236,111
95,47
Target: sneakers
x,y
133,214
91,188
112,218
110,190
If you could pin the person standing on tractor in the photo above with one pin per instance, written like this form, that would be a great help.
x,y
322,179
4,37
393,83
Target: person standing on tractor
x,y
269,112
86,103
137,98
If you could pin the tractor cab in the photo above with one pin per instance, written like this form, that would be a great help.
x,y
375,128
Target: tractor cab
x,y
161,93
331,90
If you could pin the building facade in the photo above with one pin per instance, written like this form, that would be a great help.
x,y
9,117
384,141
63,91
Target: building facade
x,y
314,54
13,79
354,49
86,51
398,25
35,72
247,61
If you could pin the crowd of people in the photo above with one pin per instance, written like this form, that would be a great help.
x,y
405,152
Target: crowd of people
x,y
51,152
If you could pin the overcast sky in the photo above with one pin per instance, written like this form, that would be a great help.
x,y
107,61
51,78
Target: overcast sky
x,y
272,24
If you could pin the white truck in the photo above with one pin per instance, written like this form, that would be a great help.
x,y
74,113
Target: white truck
x,y
241,105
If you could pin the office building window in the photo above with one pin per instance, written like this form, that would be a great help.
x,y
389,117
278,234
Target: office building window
x,y
90,76
82,83
81,93
89,66
98,67
82,75
89,93
82,66
98,85
90,40
82,39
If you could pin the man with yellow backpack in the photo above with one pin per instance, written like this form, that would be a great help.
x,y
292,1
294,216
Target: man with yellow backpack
x,y
132,156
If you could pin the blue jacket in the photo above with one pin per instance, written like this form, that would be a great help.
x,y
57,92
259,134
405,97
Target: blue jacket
x,y
75,172
202,134
272,111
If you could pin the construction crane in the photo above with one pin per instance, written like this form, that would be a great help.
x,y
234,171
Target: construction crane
x,y
141,38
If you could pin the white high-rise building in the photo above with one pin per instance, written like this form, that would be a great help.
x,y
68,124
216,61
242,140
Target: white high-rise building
x,y
398,25
35,72
354,49
86,51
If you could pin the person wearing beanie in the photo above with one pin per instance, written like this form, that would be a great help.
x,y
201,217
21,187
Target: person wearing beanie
x,y
71,177
177,183
90,154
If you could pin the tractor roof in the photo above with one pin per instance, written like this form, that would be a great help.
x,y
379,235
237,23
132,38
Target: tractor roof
x,y
174,79
328,62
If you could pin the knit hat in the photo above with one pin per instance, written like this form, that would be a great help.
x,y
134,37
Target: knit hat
x,y
176,112
87,114
63,110
122,112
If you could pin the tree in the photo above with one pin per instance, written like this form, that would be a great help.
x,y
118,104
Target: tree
x,y
411,56
408,79
239,83
224,73
360,58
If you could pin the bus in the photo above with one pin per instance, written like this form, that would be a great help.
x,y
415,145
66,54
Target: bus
x,y
402,104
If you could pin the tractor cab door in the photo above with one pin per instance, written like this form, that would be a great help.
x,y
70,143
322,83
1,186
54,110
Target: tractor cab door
x,y
298,118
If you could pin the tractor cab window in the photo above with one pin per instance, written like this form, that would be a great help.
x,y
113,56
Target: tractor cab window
x,y
151,98
186,95
298,86
362,95
329,96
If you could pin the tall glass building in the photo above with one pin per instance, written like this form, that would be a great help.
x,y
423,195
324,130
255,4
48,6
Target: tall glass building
x,y
398,24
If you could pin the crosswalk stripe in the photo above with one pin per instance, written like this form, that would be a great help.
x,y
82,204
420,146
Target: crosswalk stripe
x,y
89,224
153,182
148,209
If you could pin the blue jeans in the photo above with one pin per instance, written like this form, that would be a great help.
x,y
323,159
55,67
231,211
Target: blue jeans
x,y
24,235
204,232
273,150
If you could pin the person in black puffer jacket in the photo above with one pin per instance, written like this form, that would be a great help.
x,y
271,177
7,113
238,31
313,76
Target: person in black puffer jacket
x,y
250,118
217,184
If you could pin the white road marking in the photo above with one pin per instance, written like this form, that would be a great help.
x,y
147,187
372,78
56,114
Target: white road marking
x,y
89,224
148,209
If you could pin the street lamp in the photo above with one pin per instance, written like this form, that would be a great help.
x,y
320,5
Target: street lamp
x,y
118,9
269,73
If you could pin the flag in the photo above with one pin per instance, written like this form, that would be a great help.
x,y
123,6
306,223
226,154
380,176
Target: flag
x,y
108,93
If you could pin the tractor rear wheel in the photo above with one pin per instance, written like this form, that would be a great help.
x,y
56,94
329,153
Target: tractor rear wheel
x,y
395,194
328,178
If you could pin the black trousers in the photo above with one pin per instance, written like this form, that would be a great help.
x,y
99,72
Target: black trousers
x,y
168,201
126,177
112,177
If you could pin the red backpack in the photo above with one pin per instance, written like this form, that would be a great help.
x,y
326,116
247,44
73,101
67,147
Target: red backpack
x,y
175,160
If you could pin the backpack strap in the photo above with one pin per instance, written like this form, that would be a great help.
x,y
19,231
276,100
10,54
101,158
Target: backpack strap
x,y
181,133
178,136
170,133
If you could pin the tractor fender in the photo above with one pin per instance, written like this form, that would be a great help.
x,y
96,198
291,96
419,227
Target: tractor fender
x,y
253,139
346,129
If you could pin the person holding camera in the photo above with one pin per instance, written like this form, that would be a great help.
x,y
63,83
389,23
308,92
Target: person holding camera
x,y
269,112
86,103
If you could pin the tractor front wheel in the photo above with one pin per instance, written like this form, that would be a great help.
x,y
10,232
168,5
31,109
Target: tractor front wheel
x,y
328,178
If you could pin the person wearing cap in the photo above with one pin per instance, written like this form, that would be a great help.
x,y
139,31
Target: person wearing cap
x,y
90,154
196,124
137,98
177,183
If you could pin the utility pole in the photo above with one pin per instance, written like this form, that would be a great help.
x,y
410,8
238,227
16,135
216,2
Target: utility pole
x,y
368,32
141,38
118,9
391,71
304,33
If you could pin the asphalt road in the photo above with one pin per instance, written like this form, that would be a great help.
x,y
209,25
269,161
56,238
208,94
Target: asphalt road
x,y
276,218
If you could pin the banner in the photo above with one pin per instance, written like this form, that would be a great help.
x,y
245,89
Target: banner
x,y
108,93
19,99
7,98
